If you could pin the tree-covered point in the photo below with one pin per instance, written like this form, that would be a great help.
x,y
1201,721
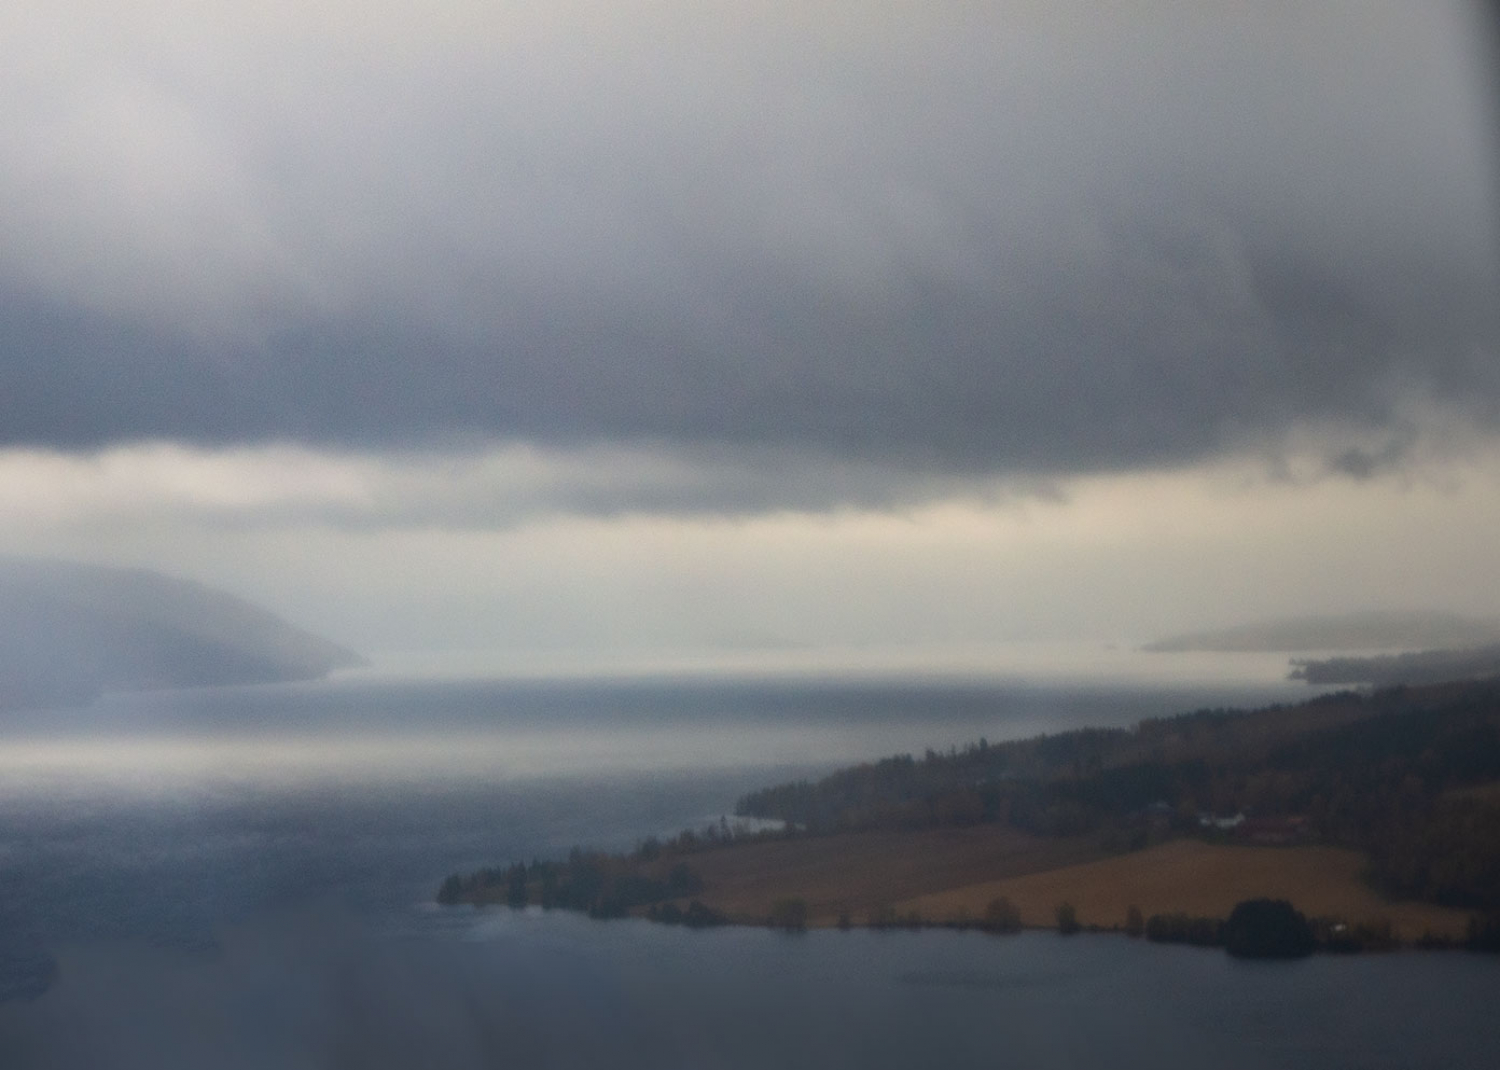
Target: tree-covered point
x,y
653,876
603,886
1401,774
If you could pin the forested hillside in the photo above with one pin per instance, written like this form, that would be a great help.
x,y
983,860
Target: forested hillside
x,y
1409,775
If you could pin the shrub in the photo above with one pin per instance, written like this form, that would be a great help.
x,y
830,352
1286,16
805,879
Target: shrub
x,y
698,916
1001,916
789,915
1484,934
1267,929
1067,919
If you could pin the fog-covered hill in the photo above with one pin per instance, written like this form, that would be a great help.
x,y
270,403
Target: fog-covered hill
x,y
1371,631
70,631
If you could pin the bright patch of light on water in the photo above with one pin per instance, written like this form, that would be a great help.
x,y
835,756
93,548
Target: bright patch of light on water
x,y
367,729
1017,663
165,764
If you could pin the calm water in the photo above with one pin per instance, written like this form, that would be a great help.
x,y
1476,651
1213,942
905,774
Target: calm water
x,y
243,878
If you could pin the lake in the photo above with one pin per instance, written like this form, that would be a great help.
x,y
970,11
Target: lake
x,y
243,878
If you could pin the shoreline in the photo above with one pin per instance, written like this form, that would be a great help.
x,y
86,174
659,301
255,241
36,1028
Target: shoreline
x,y
1181,890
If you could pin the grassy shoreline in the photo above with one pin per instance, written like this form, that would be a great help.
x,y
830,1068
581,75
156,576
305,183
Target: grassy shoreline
x,y
950,878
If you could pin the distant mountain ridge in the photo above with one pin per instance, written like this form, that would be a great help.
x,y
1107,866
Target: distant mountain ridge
x,y
1371,631
69,632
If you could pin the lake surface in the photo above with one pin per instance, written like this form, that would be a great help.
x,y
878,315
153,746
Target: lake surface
x,y
243,878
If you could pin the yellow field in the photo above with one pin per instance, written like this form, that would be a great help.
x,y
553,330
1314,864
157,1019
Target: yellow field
x,y
1199,879
953,874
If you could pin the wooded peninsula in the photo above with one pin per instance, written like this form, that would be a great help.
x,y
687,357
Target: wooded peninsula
x,y
1373,818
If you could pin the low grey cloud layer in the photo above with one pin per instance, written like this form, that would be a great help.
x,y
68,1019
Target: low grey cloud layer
x,y
1020,238
271,488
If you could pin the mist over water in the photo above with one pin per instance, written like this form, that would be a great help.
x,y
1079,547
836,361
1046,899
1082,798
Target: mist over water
x,y
368,727
243,877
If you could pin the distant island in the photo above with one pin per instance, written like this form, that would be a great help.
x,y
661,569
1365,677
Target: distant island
x,y
69,632
1375,819
1383,631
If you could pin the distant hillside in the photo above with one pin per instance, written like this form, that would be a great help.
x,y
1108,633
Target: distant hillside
x,y
1388,670
69,632
1371,631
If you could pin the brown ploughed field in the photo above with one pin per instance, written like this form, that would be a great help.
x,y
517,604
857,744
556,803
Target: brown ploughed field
x,y
858,871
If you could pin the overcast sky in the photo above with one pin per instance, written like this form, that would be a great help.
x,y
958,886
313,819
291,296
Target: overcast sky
x,y
617,328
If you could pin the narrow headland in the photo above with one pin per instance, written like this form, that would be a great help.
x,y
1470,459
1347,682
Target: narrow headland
x,y
1373,820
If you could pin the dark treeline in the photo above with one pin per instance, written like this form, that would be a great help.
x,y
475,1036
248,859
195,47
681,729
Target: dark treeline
x,y
651,880
1408,775
1386,670
603,886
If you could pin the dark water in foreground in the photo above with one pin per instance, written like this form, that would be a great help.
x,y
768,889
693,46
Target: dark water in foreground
x,y
503,989
243,879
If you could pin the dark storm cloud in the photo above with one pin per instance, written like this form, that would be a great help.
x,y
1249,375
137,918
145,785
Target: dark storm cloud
x,y
989,239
